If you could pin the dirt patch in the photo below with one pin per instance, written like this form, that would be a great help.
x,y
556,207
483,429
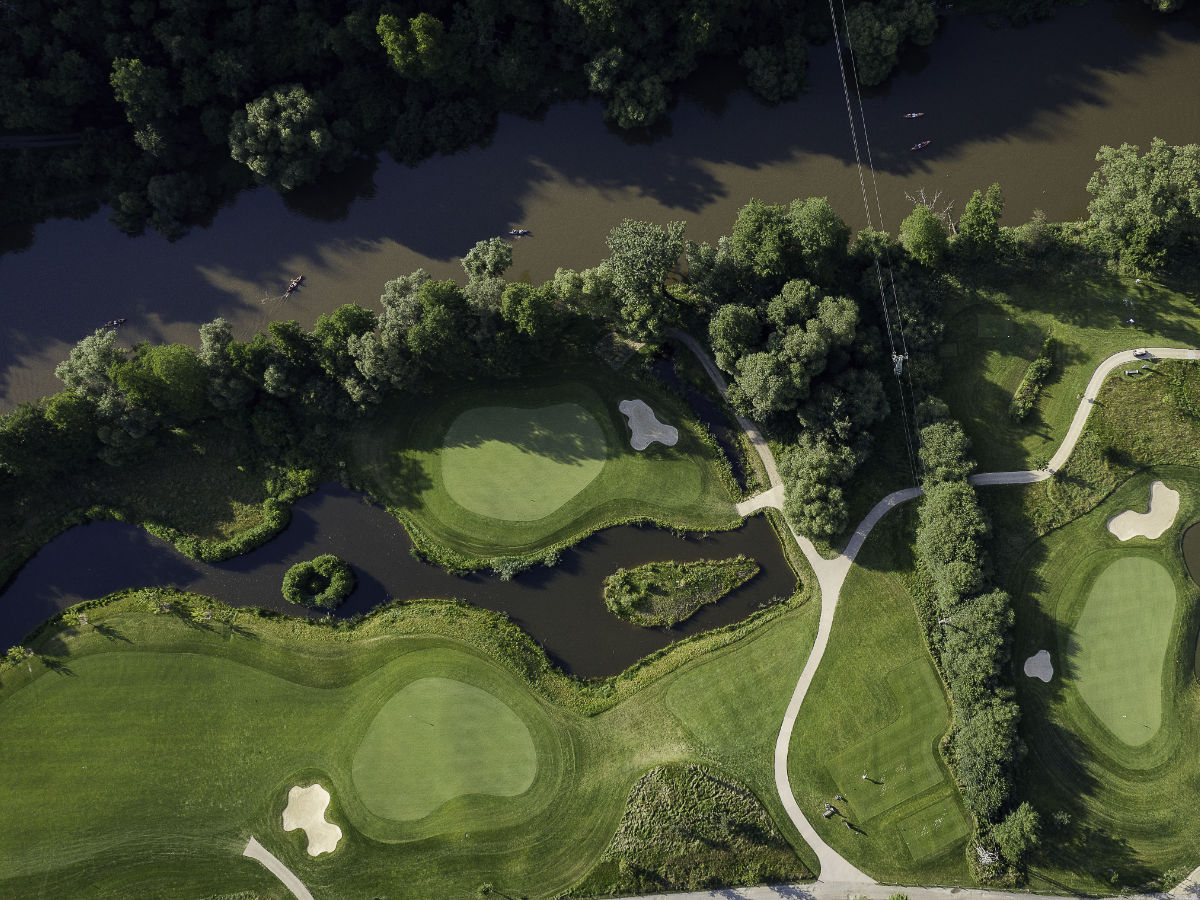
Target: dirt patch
x,y
1164,505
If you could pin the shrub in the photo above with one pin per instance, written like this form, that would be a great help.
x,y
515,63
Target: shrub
x,y
1027,392
325,582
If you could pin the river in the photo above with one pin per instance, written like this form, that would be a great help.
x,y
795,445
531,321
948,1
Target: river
x,y
1026,107
561,607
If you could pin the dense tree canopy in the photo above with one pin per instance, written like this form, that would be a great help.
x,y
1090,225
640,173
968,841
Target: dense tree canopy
x,y
284,139
173,89
1146,205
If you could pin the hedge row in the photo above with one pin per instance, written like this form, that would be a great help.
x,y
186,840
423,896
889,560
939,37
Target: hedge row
x,y
973,631
1027,392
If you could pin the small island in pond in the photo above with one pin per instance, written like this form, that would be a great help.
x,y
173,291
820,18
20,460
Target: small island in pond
x,y
667,593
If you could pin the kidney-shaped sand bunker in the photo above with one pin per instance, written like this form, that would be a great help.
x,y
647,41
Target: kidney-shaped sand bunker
x,y
437,739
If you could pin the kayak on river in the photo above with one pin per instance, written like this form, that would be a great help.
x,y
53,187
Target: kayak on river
x,y
921,146
913,115
295,283
114,323
520,232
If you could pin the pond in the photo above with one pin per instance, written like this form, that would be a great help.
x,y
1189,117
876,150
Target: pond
x,y
1026,107
560,607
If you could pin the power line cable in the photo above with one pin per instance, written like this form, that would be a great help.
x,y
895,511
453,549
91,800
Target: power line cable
x,y
896,358
887,253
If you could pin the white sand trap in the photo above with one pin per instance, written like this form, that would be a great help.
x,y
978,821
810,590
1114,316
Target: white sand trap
x,y
1039,666
646,428
306,809
1164,504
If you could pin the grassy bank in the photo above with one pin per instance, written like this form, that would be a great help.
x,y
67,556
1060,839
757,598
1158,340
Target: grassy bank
x,y
877,707
995,328
1116,800
583,482
161,708
203,491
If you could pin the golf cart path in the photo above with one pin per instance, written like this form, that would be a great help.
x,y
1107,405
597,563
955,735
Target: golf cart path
x,y
835,870
832,890
257,851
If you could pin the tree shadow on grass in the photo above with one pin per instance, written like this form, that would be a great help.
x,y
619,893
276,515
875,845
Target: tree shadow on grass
x,y
110,633
563,441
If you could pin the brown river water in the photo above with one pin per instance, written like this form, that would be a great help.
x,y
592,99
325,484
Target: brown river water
x,y
1025,107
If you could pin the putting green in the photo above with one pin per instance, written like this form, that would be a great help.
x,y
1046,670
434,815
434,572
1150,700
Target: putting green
x,y
1122,637
437,739
899,759
521,464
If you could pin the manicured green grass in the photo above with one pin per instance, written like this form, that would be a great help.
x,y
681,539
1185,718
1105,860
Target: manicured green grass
x,y
928,831
399,457
437,739
192,732
1127,808
1122,635
521,464
877,707
898,759
995,329
666,593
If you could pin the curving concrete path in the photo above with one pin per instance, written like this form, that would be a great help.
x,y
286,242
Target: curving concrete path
x,y
257,851
831,574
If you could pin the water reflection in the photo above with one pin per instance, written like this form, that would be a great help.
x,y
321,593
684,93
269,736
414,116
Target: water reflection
x,y
1027,108
561,607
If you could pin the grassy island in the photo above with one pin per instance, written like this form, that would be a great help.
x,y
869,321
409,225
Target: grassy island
x,y
666,593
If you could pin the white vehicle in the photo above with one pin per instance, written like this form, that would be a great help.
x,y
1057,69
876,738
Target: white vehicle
x,y
1141,353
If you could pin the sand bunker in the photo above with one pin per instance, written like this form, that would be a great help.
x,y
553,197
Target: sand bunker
x,y
306,809
1164,504
646,428
1039,666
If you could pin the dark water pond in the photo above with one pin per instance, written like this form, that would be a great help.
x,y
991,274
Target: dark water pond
x,y
1026,107
561,607
1191,551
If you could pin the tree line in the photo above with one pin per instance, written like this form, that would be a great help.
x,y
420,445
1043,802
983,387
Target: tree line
x,y
972,638
168,107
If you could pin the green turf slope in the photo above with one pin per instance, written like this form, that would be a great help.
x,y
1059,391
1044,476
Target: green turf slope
x,y
995,326
512,469
521,464
877,707
1125,806
1122,637
437,739
139,752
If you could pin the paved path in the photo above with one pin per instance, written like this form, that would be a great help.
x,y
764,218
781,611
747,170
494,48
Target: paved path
x,y
772,498
838,878
833,890
1189,889
255,850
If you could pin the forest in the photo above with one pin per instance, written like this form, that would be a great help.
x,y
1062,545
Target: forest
x,y
162,110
